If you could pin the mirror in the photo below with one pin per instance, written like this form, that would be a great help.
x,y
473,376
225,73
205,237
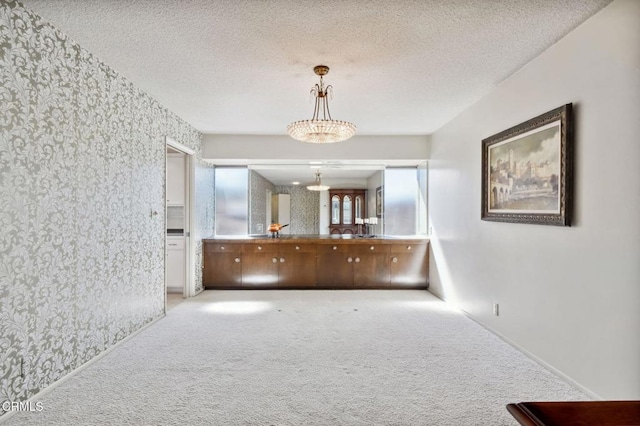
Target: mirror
x,y
231,195
314,212
405,201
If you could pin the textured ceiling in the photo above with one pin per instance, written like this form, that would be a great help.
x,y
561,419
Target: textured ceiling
x,y
245,66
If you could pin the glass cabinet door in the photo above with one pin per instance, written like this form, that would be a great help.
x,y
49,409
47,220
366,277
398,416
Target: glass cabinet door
x,y
347,210
358,207
335,210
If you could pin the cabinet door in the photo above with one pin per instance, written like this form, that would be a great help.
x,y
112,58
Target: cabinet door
x,y
222,270
175,180
174,269
335,210
260,265
297,266
347,210
260,270
371,266
409,265
359,210
222,265
371,271
334,266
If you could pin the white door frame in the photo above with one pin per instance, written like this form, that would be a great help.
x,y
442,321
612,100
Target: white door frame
x,y
189,215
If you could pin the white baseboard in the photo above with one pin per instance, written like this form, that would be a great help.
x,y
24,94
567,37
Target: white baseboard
x,y
534,357
72,373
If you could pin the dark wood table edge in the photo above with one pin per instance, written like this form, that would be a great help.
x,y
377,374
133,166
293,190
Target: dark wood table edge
x,y
549,413
520,412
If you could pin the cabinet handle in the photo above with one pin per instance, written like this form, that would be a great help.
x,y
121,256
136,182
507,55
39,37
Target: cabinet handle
x,y
274,260
173,244
394,260
282,260
221,247
372,248
349,260
237,260
259,247
357,260
408,247
297,248
335,247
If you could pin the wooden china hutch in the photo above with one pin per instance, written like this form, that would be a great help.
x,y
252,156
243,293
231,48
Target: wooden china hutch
x,y
345,206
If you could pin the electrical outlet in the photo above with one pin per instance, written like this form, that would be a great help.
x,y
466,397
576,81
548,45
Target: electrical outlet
x,y
496,309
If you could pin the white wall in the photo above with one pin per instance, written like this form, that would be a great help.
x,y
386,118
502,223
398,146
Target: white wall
x,y
346,183
569,296
264,147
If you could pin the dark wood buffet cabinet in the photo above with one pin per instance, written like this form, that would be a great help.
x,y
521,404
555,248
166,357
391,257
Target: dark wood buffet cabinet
x,y
315,262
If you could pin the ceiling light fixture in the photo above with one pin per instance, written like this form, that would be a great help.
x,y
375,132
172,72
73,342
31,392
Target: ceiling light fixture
x,y
317,185
321,130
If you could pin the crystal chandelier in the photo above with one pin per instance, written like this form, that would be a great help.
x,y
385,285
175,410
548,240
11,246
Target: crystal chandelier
x,y
321,130
317,185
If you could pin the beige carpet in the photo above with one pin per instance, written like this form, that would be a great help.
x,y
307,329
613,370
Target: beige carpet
x,y
304,358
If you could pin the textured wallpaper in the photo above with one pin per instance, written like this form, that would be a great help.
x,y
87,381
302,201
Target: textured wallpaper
x,y
305,209
204,206
81,171
258,186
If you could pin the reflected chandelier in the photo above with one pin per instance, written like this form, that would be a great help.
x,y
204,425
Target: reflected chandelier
x,y
321,130
317,185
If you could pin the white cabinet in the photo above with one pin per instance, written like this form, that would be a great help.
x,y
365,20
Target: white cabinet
x,y
174,266
175,179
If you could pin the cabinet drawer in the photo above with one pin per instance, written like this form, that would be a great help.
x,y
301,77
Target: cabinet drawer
x,y
371,248
333,248
223,248
408,248
297,248
260,248
175,244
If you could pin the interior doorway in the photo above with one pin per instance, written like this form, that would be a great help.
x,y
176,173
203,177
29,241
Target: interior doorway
x,y
179,245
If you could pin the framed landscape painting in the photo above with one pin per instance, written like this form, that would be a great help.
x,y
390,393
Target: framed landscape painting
x,y
527,171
